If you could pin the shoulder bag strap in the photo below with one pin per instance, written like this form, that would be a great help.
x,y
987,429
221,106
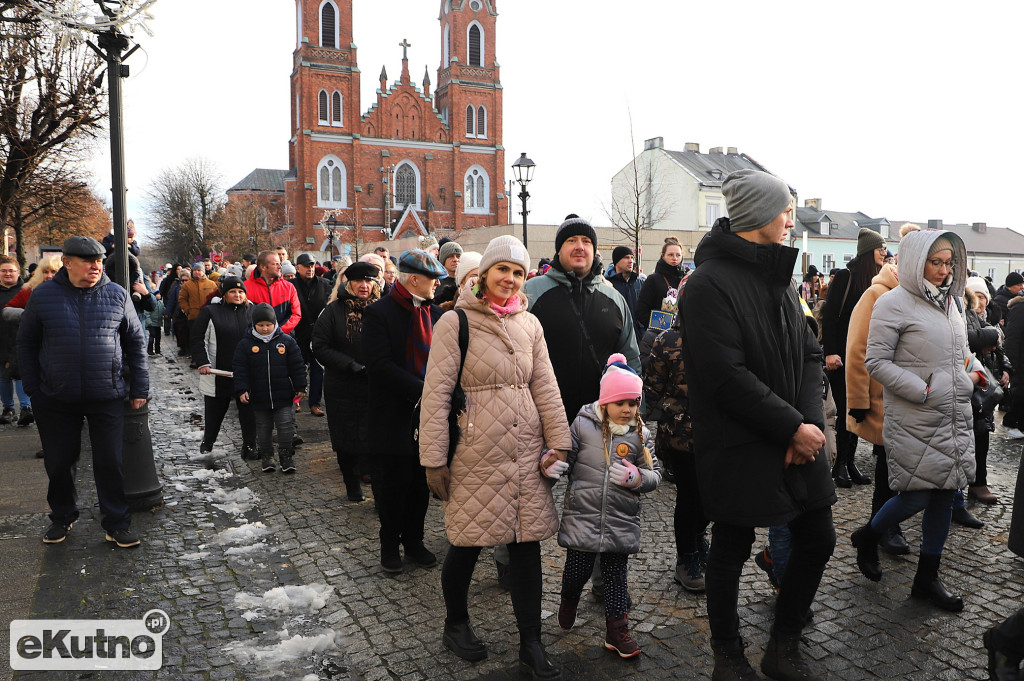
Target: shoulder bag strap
x,y
463,341
583,329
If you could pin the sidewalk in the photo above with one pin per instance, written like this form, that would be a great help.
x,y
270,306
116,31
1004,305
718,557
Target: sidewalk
x,y
342,617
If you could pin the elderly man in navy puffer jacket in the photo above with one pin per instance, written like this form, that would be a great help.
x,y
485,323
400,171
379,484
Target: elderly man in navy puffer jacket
x,y
82,353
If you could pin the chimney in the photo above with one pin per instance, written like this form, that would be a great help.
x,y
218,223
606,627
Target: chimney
x,y
654,143
692,146
813,203
715,150
935,224
980,227
732,151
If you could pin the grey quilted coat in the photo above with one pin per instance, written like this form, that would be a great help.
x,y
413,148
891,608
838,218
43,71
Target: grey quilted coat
x,y
514,414
597,514
914,344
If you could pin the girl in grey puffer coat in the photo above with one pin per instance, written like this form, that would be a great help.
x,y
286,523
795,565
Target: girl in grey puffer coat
x,y
610,465
917,350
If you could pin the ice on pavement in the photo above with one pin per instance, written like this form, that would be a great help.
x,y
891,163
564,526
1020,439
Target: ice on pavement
x,y
248,548
287,599
288,650
198,555
243,534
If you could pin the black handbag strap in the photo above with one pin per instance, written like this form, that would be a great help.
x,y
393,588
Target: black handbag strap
x,y
583,329
463,342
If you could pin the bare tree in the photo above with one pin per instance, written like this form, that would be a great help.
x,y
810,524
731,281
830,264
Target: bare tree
x,y
186,203
49,106
244,228
56,203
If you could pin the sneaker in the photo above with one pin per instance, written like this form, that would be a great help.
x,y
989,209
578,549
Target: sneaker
x,y
287,461
27,416
124,538
7,416
763,560
57,533
689,574
1012,433
250,452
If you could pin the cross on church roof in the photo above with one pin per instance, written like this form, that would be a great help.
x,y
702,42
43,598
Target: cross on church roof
x,y
405,45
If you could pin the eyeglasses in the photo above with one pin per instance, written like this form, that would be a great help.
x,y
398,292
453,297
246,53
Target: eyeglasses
x,y
939,264
882,249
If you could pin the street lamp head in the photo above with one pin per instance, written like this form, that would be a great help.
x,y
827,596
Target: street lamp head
x,y
523,169
332,222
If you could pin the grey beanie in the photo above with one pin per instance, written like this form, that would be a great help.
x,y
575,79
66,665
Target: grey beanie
x,y
868,240
941,244
505,248
754,198
449,249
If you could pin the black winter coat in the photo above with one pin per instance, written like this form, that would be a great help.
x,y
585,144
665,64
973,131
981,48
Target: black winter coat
x,y
1013,341
214,337
1002,299
654,289
270,372
393,391
836,312
345,382
313,295
755,375
82,344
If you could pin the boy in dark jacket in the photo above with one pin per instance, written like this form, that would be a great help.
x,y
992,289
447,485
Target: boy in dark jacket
x,y
269,374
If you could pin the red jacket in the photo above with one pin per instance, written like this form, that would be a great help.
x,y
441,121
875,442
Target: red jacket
x,y
281,296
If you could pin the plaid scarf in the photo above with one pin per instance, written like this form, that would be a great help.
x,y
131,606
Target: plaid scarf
x,y
421,331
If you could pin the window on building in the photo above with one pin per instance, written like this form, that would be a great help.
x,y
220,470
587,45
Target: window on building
x,y
481,122
828,262
331,178
476,54
447,47
336,108
992,273
406,190
325,114
476,196
470,121
847,257
329,26
712,211
826,228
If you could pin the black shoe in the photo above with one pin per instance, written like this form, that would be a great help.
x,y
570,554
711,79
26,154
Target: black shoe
x,y
268,463
533,660
205,448
40,454
504,574
856,476
782,659
57,533
730,662
297,440
250,452
961,516
287,460
866,541
390,560
461,640
124,538
354,491
1001,667
842,475
7,416
764,561
419,554
27,416
893,542
149,351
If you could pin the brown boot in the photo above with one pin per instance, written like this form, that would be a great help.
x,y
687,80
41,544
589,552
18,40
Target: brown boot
x,y
567,612
983,494
618,637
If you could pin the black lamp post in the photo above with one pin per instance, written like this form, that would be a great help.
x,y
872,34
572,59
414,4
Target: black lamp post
x,y
523,169
332,223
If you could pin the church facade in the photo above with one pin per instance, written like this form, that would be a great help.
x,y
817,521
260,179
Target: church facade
x,y
418,160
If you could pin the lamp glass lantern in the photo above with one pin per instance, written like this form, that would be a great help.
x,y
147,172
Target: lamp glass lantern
x,y
523,169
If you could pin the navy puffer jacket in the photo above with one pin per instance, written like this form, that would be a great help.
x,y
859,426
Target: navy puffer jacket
x,y
270,372
82,344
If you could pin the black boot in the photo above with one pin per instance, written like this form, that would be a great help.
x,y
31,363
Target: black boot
x,y
893,542
866,541
353,489
533,659
840,471
782,660
730,662
927,585
1003,664
463,641
856,476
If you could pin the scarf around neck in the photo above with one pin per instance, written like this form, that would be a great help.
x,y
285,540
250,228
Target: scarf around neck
x,y
267,338
938,294
421,331
511,306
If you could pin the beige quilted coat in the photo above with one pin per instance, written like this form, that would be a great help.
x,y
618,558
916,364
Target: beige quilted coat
x,y
514,414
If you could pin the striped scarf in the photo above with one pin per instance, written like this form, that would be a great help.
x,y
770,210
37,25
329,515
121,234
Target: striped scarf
x,y
421,331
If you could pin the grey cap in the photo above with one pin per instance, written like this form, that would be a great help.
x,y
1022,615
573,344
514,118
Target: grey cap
x,y
304,259
83,247
754,198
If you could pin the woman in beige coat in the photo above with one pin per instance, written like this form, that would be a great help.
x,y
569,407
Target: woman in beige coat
x,y
494,492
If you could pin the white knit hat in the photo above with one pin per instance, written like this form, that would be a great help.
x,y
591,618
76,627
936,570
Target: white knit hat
x,y
977,285
505,249
469,261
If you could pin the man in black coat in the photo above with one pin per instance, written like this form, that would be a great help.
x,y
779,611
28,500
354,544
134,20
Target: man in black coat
x,y
313,294
397,331
755,388
1011,288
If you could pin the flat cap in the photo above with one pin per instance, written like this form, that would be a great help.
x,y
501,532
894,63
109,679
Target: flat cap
x,y
83,247
418,261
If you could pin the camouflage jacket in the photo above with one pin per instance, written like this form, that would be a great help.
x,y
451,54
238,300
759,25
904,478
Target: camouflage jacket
x,y
665,386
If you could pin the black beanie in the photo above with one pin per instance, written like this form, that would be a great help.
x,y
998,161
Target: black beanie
x,y
1014,278
574,225
262,312
620,252
229,282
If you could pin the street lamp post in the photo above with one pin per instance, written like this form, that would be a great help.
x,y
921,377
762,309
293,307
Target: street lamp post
x,y
523,169
332,223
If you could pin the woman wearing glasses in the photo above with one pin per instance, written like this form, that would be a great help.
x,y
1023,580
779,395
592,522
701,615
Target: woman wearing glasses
x,y
917,350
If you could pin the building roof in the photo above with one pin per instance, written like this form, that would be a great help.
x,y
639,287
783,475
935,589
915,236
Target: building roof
x,y
711,169
979,237
843,225
263,180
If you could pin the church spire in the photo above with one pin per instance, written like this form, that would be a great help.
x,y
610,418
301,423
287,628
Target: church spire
x,y
405,45
426,82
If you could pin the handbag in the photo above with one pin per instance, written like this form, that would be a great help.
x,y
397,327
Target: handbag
x,y
984,399
458,406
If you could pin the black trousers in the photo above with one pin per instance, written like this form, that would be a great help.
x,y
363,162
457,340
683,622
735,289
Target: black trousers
x,y
525,583
614,572
689,520
400,489
846,442
881,493
1008,635
216,409
60,431
814,539
981,434
1014,416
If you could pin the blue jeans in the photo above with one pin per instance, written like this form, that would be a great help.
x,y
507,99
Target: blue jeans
x,y
938,511
7,389
780,545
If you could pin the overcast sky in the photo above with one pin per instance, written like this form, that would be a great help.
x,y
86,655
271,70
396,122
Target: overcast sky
x,y
901,109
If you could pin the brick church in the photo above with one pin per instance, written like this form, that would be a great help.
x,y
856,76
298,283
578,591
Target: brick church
x,y
418,161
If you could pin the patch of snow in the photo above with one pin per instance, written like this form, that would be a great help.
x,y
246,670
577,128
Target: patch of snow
x,y
199,555
243,534
288,650
239,550
288,599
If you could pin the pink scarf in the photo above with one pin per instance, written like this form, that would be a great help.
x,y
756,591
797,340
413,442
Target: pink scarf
x,y
511,306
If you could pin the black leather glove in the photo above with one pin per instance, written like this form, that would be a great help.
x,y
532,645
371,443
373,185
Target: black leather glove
x,y
859,415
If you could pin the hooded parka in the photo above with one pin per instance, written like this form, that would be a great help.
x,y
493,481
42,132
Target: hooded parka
x,y
513,415
218,330
917,350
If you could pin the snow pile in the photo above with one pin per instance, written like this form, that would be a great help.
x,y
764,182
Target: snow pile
x,y
199,555
287,599
234,502
243,534
290,649
249,548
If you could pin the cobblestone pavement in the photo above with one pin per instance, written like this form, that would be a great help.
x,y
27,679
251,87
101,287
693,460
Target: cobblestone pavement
x,y
375,626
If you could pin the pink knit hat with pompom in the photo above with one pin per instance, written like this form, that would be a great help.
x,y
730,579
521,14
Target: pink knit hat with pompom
x,y
619,382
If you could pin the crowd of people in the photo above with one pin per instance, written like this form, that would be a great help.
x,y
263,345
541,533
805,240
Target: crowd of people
x,y
485,382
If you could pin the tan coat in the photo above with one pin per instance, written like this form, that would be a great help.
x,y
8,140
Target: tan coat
x,y
862,391
514,414
194,293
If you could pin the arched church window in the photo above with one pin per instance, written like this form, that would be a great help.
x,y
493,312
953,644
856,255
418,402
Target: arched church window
x,y
331,178
336,118
476,39
406,186
329,26
325,115
476,194
470,121
481,122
